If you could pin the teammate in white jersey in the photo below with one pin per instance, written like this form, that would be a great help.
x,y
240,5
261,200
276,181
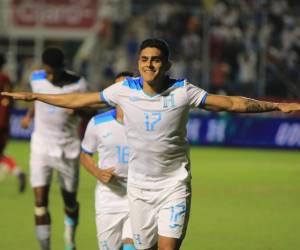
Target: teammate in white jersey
x,y
105,134
55,145
155,116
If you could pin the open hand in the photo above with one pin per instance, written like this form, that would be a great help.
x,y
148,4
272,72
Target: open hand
x,y
25,96
288,107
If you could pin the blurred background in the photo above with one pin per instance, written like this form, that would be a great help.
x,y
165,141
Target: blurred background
x,y
248,47
237,47
246,187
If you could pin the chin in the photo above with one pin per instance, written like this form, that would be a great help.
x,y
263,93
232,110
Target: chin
x,y
151,82
148,79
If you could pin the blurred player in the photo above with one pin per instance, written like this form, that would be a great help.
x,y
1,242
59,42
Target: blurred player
x,y
55,145
156,110
105,134
7,163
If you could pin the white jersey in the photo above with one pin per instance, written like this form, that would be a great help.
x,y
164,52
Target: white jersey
x,y
55,129
105,135
156,130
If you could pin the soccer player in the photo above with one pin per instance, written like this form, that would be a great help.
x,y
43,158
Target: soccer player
x,y
55,145
105,134
7,163
156,111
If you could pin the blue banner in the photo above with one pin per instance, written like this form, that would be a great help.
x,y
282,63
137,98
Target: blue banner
x,y
220,129
16,131
243,130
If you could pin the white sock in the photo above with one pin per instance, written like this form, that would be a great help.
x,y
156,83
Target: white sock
x,y
17,171
43,236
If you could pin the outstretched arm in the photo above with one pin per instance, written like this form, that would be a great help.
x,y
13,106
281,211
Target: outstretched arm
x,y
246,105
71,100
103,175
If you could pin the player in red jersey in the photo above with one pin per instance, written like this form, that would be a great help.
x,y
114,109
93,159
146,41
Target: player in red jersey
x,y
7,163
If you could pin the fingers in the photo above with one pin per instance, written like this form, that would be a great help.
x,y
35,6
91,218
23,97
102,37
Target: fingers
x,y
25,96
106,177
109,170
13,95
25,122
293,107
107,174
289,107
6,93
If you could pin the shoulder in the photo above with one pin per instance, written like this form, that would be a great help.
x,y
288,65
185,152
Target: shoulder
x,y
178,83
177,86
69,77
191,86
104,117
129,84
133,83
38,75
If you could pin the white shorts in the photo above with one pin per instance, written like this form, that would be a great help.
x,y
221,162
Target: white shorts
x,y
154,212
42,166
112,229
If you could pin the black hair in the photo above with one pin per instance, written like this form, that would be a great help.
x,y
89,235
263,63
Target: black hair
x,y
53,57
2,60
124,74
156,43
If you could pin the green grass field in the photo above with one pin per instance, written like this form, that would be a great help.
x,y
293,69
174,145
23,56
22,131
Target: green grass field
x,y
243,199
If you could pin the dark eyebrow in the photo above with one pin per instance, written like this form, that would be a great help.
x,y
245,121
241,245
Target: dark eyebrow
x,y
151,57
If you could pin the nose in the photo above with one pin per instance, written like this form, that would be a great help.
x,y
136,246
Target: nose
x,y
150,64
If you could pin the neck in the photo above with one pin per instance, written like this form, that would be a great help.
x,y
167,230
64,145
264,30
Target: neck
x,y
156,87
56,76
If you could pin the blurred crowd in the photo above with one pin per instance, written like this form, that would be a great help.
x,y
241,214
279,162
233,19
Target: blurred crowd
x,y
235,47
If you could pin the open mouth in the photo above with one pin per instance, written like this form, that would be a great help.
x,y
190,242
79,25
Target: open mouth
x,y
149,71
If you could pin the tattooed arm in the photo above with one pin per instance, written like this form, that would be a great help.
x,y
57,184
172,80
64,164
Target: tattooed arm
x,y
245,105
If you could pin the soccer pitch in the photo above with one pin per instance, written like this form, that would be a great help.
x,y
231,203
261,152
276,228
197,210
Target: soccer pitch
x,y
243,199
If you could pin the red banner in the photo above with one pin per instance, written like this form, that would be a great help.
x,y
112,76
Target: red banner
x,y
55,13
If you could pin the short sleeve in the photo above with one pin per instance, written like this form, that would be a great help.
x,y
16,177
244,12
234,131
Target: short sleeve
x,y
35,78
196,96
31,82
82,85
89,142
111,93
30,85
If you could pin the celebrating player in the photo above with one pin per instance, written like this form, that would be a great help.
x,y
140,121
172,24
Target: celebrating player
x,y
7,163
55,145
156,111
105,134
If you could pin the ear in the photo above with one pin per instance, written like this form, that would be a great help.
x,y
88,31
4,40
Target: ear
x,y
168,65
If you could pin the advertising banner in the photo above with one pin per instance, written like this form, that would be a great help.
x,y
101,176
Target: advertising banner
x,y
220,130
244,131
16,131
54,13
